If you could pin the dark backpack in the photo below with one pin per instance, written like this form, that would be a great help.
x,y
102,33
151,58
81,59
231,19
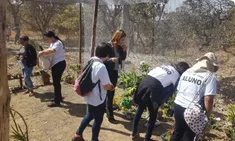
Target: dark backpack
x,y
84,85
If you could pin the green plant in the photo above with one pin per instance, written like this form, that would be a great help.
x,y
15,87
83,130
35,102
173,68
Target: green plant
x,y
168,107
231,134
231,114
76,69
18,133
130,79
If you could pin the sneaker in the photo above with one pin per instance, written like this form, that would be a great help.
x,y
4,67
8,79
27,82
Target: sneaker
x,y
133,137
157,123
78,139
53,104
113,120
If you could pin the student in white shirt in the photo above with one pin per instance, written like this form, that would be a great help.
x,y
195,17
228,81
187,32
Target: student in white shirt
x,y
96,100
153,91
189,85
58,64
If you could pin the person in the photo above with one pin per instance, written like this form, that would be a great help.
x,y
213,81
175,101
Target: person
x,y
28,59
7,33
189,85
17,31
117,55
58,64
96,105
153,91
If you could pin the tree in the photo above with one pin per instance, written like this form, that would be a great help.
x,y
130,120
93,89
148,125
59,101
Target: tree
x,y
15,6
4,89
38,16
67,21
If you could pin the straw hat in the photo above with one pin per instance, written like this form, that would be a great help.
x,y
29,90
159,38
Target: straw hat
x,y
211,58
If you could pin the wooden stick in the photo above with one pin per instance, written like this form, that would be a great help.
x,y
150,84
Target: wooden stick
x,y
94,28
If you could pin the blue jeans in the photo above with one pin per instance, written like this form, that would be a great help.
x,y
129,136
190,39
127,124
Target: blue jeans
x,y
27,73
96,113
151,123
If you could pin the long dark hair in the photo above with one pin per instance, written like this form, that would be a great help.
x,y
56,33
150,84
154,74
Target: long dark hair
x,y
51,34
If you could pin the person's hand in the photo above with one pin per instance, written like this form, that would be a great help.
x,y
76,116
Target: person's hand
x,y
112,88
115,59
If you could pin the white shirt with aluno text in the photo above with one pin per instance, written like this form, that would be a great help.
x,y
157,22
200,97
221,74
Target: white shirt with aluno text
x,y
192,83
166,74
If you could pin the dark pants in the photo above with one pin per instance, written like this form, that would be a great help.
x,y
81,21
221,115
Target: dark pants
x,y
181,128
57,71
96,113
151,123
110,94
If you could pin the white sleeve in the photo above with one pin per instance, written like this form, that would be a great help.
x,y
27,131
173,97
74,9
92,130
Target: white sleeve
x,y
211,87
174,79
57,46
103,75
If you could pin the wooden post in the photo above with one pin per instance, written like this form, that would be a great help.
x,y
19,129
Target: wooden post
x,y
5,96
80,34
94,28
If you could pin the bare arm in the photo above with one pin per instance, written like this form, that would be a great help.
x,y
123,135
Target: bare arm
x,y
208,100
46,52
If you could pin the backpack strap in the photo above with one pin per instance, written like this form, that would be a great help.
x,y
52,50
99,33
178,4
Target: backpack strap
x,y
99,89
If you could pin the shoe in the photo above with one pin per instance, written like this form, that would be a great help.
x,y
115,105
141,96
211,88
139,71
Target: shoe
x,y
148,140
157,123
62,100
133,137
27,91
53,104
78,139
113,120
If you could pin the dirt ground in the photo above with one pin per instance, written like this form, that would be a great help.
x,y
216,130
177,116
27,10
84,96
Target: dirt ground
x,y
60,124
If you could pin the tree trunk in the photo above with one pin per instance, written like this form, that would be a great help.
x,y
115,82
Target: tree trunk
x,y
93,38
4,89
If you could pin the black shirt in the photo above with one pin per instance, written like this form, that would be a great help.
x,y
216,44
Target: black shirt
x,y
29,56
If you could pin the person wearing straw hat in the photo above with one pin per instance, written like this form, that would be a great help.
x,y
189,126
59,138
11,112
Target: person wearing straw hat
x,y
196,85
155,89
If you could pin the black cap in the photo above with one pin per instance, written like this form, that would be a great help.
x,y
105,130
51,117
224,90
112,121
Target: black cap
x,y
24,38
49,34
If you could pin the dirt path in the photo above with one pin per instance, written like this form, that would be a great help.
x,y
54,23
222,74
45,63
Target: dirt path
x,y
60,124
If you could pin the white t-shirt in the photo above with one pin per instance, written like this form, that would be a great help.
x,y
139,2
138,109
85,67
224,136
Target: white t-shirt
x,y
59,52
99,72
189,85
166,74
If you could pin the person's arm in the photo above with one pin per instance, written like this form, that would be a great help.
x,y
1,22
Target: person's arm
x,y
104,78
48,51
110,63
210,92
208,100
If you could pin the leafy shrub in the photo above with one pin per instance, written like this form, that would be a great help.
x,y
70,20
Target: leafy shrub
x,y
231,114
17,131
129,81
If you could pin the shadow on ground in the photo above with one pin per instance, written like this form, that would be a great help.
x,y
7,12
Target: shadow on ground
x,y
78,110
